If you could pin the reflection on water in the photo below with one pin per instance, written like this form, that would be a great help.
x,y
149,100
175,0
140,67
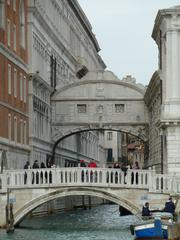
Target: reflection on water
x,y
99,223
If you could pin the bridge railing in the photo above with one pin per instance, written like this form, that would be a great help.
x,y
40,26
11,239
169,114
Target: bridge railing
x,y
166,183
105,177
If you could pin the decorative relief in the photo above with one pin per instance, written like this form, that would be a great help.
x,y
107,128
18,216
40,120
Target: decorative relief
x,y
100,109
99,90
56,133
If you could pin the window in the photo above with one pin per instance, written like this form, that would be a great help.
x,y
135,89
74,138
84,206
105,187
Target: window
x,y
9,127
14,5
109,154
22,23
14,37
81,108
21,86
21,131
119,108
24,89
9,32
109,135
2,15
15,129
9,79
25,133
15,83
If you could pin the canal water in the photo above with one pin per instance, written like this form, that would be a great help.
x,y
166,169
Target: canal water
x,y
100,223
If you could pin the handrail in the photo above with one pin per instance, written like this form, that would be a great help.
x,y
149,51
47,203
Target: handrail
x,y
101,177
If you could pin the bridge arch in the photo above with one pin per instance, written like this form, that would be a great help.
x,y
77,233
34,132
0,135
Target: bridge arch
x,y
63,192
138,132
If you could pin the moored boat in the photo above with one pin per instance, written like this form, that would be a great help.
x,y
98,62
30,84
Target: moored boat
x,y
151,229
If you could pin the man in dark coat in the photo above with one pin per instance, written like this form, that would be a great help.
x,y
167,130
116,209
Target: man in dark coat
x,y
170,206
145,210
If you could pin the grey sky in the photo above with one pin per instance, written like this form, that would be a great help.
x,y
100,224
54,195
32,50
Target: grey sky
x,y
123,29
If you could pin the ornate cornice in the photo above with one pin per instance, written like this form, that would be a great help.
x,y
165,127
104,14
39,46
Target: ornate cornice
x,y
11,108
13,58
160,16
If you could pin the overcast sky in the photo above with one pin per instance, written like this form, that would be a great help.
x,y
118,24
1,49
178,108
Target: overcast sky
x,y
123,29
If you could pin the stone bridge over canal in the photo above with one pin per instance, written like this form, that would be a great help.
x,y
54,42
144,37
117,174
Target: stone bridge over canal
x,y
34,187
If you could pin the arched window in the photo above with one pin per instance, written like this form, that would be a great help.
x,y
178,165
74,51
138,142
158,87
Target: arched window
x,y
2,14
22,23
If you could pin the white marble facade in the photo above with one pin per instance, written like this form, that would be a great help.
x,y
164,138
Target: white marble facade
x,y
58,30
61,41
166,33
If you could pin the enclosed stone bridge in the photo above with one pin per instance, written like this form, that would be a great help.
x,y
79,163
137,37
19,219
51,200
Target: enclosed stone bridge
x,y
99,101
28,189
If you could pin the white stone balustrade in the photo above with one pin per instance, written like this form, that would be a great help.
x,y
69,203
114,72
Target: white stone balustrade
x,y
105,177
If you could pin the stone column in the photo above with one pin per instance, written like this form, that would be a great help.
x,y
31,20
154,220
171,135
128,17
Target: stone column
x,y
173,148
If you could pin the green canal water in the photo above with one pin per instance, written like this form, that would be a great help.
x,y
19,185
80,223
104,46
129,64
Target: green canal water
x,y
99,223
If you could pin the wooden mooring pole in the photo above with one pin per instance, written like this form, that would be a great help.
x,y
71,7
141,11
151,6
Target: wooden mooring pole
x,y
174,232
9,215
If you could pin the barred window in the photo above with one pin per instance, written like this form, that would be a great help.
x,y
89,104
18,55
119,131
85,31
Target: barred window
x,y
119,108
82,108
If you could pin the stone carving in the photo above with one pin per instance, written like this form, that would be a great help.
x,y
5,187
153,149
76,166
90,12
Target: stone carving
x,y
100,109
99,90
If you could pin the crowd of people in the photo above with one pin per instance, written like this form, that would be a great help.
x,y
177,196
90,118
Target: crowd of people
x,y
38,176
36,165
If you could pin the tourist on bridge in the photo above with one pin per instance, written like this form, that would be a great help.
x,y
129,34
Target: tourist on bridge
x,y
136,167
36,178
92,164
170,206
26,166
145,210
82,163
116,165
35,164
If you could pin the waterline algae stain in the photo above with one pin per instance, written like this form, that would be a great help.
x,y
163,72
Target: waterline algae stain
x,y
99,223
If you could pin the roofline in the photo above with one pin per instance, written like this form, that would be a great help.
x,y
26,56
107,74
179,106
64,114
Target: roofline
x,y
85,22
154,83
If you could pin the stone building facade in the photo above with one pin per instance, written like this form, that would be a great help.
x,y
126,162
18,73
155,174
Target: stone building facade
x,y
14,117
62,49
153,101
163,94
46,45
